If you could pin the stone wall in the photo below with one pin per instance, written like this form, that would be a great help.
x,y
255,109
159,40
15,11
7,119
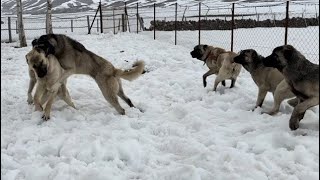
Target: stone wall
x,y
219,24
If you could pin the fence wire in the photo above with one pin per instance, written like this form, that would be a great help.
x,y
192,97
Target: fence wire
x,y
259,26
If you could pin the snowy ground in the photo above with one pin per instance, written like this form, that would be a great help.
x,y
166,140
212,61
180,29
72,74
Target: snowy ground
x,y
186,132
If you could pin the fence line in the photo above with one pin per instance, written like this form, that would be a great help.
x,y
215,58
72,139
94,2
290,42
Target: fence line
x,y
204,18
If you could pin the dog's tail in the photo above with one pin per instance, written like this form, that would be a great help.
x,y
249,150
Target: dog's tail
x,y
133,73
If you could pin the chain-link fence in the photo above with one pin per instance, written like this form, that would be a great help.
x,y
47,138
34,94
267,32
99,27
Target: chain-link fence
x,y
233,26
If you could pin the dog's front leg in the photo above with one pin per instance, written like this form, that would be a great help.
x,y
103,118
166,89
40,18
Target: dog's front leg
x,y
300,110
37,97
47,110
204,77
32,82
261,95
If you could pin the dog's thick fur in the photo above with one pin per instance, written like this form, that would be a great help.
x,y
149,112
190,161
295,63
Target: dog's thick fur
x,y
268,79
74,58
219,62
47,71
302,77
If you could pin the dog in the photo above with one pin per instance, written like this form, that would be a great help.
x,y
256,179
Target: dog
x,y
47,71
302,77
74,58
219,62
267,79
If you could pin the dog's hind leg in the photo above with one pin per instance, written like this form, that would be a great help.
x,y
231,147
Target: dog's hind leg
x,y
233,82
217,81
223,83
64,94
281,93
123,96
110,89
300,110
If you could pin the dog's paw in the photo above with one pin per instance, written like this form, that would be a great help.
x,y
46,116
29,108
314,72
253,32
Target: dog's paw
x,y
45,117
293,124
204,83
30,101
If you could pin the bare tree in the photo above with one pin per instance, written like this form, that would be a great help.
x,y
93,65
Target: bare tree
x,y
48,17
22,36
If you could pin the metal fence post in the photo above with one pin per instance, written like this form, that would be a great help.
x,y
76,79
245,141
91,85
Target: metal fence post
x,y
71,25
101,24
199,40
154,21
9,28
232,26
122,17
114,22
286,24
137,18
175,26
97,26
88,22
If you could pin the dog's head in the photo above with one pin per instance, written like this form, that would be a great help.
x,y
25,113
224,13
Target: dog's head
x,y
38,62
247,57
47,43
280,57
199,51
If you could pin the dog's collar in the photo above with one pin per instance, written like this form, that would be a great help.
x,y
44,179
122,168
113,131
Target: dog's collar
x,y
205,59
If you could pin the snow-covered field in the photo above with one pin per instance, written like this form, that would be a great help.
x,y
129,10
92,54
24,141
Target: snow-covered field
x,y
186,132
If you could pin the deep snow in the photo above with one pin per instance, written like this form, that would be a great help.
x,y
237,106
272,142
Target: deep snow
x,y
186,132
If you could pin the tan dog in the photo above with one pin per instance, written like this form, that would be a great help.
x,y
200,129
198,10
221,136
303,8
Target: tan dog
x,y
302,77
219,61
47,71
74,58
267,79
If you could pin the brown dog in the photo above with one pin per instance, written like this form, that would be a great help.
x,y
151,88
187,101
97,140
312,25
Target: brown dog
x,y
47,71
267,79
74,58
219,61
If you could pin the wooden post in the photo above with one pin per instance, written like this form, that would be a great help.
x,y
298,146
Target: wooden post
x,y
71,25
88,22
175,25
154,21
286,24
232,26
137,18
101,22
199,24
9,28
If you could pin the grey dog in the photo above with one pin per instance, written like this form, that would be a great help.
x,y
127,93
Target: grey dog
x,y
302,77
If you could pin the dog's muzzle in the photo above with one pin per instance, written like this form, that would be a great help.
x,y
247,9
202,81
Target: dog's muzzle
x,y
41,72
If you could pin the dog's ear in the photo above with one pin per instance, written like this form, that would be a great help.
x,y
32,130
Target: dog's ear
x,y
288,52
34,42
205,47
254,54
50,49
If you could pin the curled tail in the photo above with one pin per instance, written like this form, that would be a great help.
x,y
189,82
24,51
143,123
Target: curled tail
x,y
133,73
